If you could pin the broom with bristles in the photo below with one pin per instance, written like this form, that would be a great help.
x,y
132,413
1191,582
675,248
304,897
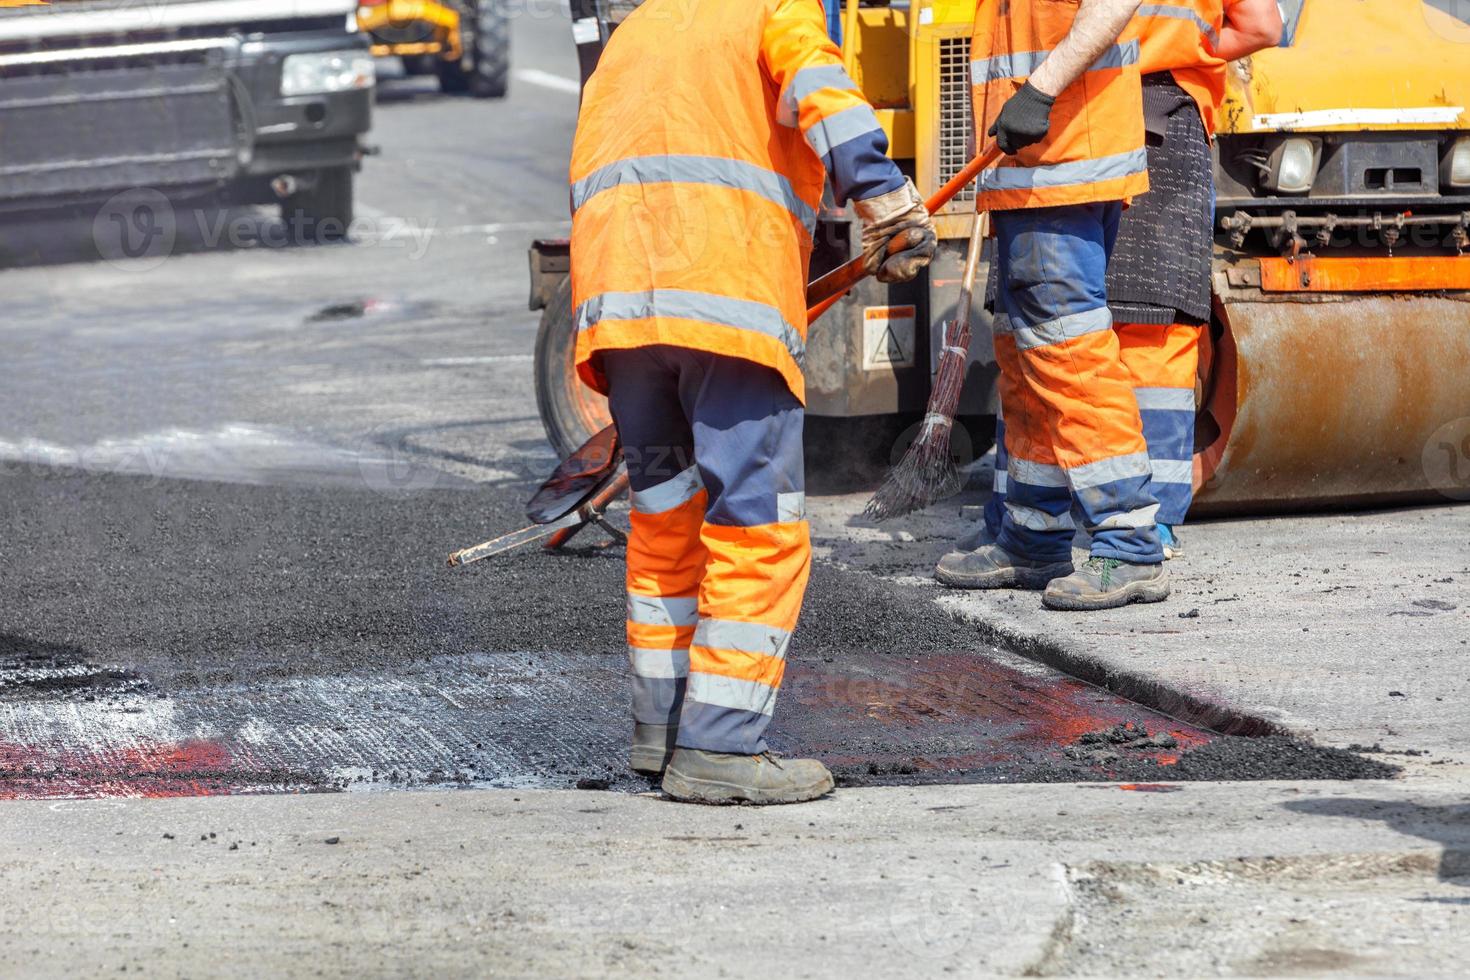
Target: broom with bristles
x,y
927,472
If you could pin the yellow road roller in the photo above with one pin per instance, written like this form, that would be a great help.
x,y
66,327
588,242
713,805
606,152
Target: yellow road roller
x,y
1337,367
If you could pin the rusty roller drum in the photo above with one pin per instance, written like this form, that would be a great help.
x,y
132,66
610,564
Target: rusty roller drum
x,y
1322,399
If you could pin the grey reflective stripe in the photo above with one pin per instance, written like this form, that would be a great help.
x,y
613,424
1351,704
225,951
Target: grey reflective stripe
x,y
1104,471
1000,324
1037,520
1174,471
659,664
728,634
1017,64
685,304
1118,56
1000,482
713,171
804,83
1036,474
840,127
1165,399
728,692
652,610
1182,13
1066,174
790,507
669,494
1020,64
1063,328
1143,517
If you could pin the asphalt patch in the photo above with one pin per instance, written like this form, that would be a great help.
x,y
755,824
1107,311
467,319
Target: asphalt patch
x,y
168,637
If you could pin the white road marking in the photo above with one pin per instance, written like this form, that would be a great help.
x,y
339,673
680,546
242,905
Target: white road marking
x,y
468,361
545,79
393,224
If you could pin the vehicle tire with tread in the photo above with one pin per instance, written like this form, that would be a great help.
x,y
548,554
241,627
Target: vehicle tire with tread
x,y
485,70
570,412
322,212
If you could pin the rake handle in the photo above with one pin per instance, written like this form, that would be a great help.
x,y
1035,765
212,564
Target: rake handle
x,y
828,289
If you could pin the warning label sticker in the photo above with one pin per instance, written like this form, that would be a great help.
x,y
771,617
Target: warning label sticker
x,y
888,337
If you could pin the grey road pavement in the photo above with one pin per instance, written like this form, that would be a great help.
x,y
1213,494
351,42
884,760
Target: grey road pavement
x,y
229,475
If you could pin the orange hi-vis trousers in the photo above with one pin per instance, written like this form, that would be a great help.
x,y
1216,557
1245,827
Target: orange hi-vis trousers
x,y
720,550
1073,432
1161,361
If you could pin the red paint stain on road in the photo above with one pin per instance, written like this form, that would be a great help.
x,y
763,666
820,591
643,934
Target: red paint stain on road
x,y
191,768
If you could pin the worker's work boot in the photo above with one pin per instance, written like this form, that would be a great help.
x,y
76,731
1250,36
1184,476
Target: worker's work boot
x,y
696,776
652,746
976,537
1169,538
992,567
1107,583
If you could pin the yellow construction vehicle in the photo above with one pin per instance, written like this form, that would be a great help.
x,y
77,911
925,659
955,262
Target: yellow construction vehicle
x,y
465,42
1338,364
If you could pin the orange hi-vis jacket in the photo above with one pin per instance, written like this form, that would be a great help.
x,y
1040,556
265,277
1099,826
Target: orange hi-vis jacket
x,y
1095,149
1180,36
701,153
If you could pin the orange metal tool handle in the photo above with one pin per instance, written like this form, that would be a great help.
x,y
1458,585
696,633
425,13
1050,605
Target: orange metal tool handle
x,y
595,506
828,289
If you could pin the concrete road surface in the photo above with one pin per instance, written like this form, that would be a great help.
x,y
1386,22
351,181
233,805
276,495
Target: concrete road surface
x,y
250,723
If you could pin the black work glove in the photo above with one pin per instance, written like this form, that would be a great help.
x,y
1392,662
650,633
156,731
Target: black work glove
x,y
1023,120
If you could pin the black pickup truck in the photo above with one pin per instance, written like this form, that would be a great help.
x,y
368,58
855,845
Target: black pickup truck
x,y
243,101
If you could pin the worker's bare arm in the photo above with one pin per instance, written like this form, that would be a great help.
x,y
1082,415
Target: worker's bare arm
x,y
1250,25
1098,25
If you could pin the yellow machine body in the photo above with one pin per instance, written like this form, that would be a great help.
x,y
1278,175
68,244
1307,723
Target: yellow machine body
x,y
408,28
1333,367
1336,373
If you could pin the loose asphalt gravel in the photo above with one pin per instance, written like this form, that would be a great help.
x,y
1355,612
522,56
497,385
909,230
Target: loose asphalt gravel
x,y
285,603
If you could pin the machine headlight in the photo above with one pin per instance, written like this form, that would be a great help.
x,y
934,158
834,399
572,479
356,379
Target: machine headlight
x,y
1454,169
1292,167
327,71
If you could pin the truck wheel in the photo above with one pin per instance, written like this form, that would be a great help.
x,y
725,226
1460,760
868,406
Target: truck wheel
x,y
485,35
570,411
322,212
491,77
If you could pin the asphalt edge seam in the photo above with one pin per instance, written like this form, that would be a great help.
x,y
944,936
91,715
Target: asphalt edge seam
x,y
1140,688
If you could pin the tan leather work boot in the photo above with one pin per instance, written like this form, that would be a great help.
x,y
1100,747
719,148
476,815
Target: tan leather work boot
x,y
1107,583
992,567
695,776
652,747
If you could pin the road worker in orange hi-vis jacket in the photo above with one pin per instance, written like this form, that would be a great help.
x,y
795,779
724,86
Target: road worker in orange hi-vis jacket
x,y
705,139
1158,283
1056,86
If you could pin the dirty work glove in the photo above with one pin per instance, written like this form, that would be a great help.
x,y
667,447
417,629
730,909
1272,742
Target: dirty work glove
x,y
898,230
1023,120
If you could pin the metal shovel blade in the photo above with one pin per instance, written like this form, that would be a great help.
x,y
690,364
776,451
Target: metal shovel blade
x,y
578,478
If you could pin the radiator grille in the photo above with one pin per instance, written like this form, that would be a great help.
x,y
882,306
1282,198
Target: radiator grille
x,y
955,124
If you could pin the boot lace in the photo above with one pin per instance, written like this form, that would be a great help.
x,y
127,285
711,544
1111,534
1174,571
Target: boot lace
x,y
1103,568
